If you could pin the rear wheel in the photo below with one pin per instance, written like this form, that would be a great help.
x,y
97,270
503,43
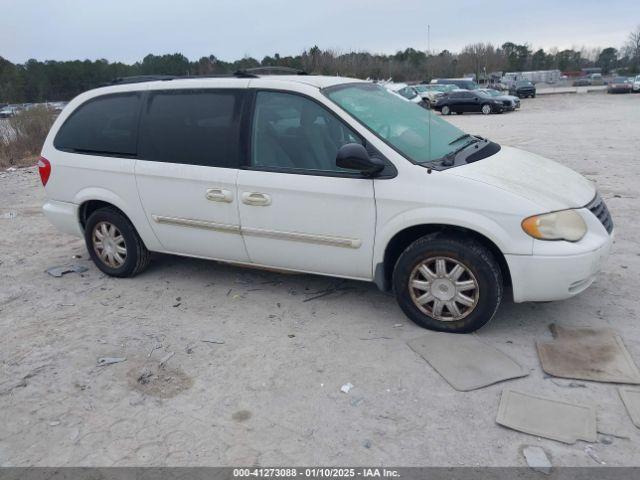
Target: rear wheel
x,y
448,284
486,109
114,245
445,110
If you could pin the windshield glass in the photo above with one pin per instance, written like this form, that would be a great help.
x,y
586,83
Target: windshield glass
x,y
492,93
524,83
413,131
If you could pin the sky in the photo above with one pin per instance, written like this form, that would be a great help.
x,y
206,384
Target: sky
x,y
126,31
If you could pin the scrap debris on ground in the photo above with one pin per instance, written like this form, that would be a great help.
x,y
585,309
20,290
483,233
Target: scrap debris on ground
x,y
631,399
537,459
547,417
464,361
588,354
104,361
61,270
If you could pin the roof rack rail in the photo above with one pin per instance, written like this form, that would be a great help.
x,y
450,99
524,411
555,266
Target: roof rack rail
x,y
246,73
140,78
275,70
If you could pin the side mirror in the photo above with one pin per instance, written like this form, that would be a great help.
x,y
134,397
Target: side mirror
x,y
354,156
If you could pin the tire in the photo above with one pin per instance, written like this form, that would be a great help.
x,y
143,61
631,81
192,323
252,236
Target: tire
x,y
121,235
479,268
445,110
486,109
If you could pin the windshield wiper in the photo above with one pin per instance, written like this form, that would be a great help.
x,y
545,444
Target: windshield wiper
x,y
449,158
464,135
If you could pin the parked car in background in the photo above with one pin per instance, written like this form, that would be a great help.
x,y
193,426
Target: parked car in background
x,y
620,85
581,82
430,92
510,102
445,88
9,111
325,175
636,84
522,89
56,107
407,92
596,79
462,83
468,101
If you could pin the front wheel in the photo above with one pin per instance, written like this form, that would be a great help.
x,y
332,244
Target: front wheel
x,y
448,283
486,109
445,110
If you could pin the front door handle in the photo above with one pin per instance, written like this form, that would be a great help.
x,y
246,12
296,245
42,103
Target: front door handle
x,y
256,199
219,195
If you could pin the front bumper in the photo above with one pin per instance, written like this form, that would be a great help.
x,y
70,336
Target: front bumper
x,y
557,269
64,216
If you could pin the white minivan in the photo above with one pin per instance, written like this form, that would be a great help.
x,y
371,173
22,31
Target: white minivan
x,y
324,175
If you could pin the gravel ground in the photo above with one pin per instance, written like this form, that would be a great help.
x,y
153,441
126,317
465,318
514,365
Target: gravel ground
x,y
270,394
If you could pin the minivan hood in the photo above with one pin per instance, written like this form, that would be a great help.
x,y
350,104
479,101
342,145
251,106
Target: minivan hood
x,y
538,179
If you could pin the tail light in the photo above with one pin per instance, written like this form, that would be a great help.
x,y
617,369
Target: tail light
x,y
44,168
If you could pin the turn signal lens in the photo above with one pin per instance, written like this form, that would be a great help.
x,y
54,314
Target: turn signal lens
x,y
563,225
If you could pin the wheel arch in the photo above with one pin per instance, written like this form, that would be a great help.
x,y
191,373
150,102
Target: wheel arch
x,y
405,237
91,199
88,207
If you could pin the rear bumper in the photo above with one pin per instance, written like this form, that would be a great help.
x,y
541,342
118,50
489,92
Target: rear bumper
x,y
64,216
539,278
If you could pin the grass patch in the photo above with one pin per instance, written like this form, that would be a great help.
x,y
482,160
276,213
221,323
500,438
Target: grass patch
x,y
22,136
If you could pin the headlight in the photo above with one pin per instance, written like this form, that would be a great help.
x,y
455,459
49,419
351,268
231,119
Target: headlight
x,y
563,225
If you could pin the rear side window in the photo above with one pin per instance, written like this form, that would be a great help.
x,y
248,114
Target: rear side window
x,y
103,125
195,127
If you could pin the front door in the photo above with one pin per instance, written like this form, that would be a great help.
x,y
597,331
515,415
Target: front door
x,y
186,177
298,210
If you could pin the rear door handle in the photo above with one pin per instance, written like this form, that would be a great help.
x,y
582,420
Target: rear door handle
x,y
219,195
256,199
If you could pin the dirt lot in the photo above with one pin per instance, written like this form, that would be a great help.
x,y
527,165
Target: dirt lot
x,y
270,394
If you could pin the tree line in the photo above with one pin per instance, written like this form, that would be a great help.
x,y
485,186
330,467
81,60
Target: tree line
x,y
36,81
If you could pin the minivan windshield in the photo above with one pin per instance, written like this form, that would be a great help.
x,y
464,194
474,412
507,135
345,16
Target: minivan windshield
x,y
413,131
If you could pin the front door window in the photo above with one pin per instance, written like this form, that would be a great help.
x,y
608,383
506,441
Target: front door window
x,y
292,132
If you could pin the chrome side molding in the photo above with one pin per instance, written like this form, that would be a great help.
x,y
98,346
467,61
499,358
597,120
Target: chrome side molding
x,y
189,222
304,237
257,232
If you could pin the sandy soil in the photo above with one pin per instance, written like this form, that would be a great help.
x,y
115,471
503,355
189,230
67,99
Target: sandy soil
x,y
270,394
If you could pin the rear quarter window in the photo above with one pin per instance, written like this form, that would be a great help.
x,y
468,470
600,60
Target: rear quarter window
x,y
102,125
